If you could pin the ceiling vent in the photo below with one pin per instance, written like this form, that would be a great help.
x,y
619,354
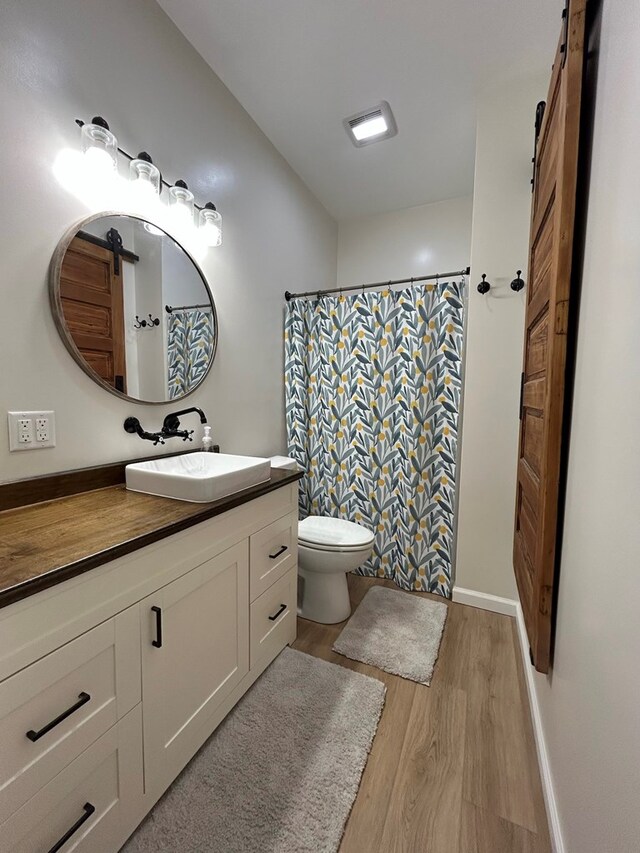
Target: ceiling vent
x,y
372,125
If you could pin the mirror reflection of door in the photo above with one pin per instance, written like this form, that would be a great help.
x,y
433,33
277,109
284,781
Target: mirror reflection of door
x,y
92,299
133,308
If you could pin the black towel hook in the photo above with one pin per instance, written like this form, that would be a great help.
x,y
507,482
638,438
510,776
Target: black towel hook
x,y
517,284
484,286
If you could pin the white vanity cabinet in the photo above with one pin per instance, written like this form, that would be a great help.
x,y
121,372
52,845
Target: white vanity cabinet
x,y
164,641
195,652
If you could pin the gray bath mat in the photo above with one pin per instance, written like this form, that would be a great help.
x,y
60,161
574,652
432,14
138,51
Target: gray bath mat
x,y
395,631
280,774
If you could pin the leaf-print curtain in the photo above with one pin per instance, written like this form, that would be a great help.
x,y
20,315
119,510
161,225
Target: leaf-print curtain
x,y
189,349
373,386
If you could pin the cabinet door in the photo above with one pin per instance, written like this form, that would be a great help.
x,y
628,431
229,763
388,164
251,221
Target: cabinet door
x,y
195,651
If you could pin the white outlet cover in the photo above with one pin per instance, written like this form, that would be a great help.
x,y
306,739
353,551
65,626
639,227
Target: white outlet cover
x,y
26,429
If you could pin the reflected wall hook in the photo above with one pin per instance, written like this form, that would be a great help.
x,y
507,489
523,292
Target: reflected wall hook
x,y
484,286
144,324
517,284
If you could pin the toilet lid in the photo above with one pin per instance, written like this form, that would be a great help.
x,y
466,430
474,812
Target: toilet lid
x,y
333,532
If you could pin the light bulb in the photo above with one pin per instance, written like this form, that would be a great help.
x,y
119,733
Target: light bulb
x,y
210,223
100,146
145,177
181,203
152,229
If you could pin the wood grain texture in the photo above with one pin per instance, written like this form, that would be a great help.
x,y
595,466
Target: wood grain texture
x,y
453,766
551,282
91,295
44,544
48,487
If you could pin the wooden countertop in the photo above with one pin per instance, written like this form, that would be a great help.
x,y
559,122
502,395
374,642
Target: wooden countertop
x,y
46,543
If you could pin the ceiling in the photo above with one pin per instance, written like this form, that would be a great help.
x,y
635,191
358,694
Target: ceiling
x,y
300,66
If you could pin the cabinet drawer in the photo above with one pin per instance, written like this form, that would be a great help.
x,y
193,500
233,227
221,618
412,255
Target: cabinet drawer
x,y
272,552
273,618
95,802
54,709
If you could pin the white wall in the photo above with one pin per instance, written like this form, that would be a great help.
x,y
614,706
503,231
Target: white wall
x,y
74,58
500,239
590,703
411,242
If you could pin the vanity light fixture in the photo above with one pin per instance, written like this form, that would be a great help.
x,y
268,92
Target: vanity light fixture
x,y
372,125
210,223
181,202
99,145
101,149
145,177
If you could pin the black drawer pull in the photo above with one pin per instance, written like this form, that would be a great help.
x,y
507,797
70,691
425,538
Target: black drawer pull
x,y
83,698
280,610
280,550
88,810
158,640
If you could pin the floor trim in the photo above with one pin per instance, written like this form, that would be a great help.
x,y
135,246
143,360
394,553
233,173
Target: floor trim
x,y
553,818
506,606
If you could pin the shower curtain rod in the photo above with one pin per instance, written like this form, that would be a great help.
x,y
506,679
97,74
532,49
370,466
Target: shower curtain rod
x,y
170,308
289,296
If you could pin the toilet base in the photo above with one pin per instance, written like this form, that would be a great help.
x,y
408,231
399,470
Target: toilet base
x,y
324,597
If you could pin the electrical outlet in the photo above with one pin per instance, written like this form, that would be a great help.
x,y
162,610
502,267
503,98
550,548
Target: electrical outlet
x,y
25,430
42,430
31,430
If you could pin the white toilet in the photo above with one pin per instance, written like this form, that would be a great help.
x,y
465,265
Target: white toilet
x,y
328,548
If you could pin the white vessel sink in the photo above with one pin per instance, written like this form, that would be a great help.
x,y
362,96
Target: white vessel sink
x,y
199,477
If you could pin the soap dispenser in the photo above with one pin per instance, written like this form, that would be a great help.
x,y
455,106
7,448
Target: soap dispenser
x,y
207,441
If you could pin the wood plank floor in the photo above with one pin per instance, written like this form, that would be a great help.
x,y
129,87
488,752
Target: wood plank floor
x,y
453,767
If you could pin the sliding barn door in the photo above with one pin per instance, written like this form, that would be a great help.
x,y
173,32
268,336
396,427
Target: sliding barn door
x,y
545,343
92,303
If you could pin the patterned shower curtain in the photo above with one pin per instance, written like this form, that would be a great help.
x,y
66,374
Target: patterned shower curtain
x,y
189,349
373,386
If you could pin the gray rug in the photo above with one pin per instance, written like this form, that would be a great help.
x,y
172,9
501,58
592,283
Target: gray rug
x,y
395,631
280,774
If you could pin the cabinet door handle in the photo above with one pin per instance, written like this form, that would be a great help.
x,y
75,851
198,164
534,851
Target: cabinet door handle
x,y
158,640
83,698
280,550
88,810
280,610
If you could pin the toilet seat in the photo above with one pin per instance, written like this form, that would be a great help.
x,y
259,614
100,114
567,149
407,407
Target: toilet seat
x,y
322,533
335,549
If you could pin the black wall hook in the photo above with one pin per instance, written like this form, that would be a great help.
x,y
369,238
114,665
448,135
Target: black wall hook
x,y
484,286
143,324
517,284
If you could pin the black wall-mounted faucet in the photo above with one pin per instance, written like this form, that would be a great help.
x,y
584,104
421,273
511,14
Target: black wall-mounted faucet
x,y
170,427
172,423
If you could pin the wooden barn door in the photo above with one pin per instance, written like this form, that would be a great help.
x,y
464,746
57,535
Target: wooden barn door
x,y
545,342
92,303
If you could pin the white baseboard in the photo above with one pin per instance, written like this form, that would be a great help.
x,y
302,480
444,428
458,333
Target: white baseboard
x,y
557,844
506,606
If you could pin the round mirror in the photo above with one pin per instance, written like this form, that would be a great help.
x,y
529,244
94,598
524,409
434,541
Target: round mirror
x,y
133,308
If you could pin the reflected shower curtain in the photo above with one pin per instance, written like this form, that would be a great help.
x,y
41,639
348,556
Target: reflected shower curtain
x,y
189,349
373,386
